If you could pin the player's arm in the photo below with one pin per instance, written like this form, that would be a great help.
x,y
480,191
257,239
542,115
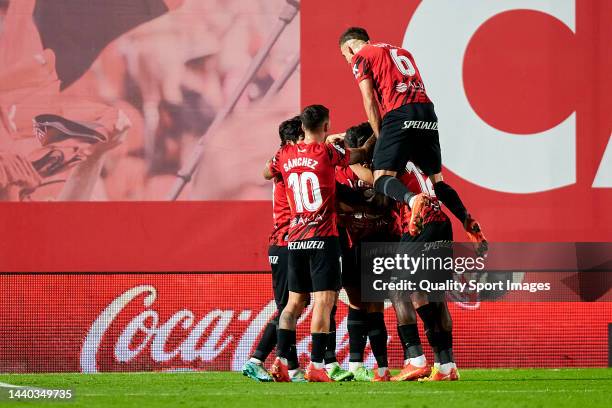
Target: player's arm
x,y
267,173
364,153
363,173
366,86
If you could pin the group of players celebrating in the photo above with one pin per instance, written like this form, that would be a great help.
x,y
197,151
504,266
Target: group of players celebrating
x,y
380,181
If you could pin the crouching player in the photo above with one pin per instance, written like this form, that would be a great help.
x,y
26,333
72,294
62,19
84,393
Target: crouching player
x,y
290,132
307,169
436,319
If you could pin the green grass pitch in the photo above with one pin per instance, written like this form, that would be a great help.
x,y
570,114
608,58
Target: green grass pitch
x,y
576,388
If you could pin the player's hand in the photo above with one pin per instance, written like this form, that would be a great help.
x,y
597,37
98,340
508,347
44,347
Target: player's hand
x,y
333,139
116,137
15,170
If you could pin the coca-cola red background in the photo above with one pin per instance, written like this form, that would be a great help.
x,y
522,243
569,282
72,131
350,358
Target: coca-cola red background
x,y
139,322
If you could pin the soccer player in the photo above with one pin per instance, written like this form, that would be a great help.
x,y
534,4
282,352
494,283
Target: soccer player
x,y
434,314
388,78
307,169
362,222
290,131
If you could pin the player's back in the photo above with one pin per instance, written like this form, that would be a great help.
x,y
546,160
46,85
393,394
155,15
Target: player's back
x,y
308,171
394,73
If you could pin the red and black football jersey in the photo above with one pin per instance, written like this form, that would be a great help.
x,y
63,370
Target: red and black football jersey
x,y
396,78
417,182
281,213
308,171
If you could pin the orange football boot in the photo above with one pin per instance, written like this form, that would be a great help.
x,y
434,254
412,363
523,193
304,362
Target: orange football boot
x,y
416,214
280,371
412,373
474,233
314,374
382,378
437,375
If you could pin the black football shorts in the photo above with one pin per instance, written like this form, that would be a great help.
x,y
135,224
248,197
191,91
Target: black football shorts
x,y
278,256
409,133
315,265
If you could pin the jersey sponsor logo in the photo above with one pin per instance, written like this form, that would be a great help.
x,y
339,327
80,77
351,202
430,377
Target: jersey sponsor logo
x,y
420,124
401,87
300,162
306,245
339,148
273,259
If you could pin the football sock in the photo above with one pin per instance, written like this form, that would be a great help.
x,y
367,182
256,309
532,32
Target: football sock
x,y
255,360
411,342
382,370
451,200
445,352
286,339
330,347
358,332
292,361
394,188
319,341
354,365
267,341
377,332
445,368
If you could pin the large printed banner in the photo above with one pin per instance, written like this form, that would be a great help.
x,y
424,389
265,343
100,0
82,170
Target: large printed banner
x,y
108,100
137,322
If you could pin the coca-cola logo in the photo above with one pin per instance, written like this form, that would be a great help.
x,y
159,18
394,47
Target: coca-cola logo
x,y
156,333
146,335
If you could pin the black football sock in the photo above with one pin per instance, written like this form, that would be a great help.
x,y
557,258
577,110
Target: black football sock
x,y
392,187
377,332
286,340
451,200
428,314
357,326
445,351
292,361
330,348
319,344
411,342
267,341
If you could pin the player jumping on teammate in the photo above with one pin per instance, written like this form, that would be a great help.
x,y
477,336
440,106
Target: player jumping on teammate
x,y
406,126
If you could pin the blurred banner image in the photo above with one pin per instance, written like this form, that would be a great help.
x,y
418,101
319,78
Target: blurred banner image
x,y
108,99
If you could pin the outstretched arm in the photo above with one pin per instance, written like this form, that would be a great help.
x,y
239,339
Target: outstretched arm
x,y
366,87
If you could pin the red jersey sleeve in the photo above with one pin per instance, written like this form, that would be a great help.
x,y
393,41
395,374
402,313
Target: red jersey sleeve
x,y
362,67
338,155
274,165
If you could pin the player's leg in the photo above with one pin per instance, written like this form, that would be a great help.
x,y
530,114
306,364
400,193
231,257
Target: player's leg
x,y
391,153
415,363
445,368
378,335
254,368
427,155
325,275
299,288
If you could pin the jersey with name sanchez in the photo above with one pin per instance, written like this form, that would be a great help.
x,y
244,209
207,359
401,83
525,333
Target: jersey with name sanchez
x,y
308,171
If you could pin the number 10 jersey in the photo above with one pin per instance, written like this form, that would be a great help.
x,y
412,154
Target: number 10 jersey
x,y
308,171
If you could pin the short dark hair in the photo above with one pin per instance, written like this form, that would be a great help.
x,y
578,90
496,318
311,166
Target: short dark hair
x,y
354,33
314,116
290,130
356,136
